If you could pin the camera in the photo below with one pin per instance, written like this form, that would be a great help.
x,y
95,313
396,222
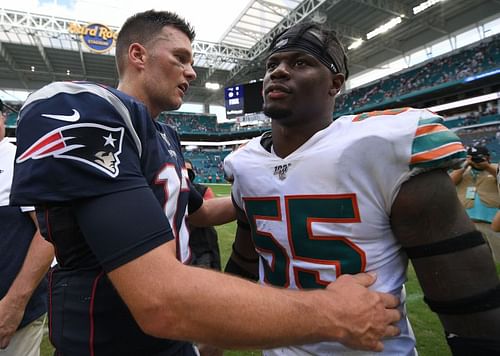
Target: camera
x,y
478,154
478,158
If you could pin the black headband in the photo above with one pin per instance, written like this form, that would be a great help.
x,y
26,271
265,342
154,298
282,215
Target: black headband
x,y
308,43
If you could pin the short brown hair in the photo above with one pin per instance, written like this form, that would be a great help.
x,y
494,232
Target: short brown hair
x,y
143,26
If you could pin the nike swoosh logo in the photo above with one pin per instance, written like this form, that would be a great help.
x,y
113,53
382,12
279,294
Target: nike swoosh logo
x,y
69,118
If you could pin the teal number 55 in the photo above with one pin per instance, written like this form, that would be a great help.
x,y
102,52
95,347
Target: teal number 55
x,y
301,211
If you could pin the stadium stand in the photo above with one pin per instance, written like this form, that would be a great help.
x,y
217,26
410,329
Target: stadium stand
x,y
208,164
11,120
479,124
434,75
467,72
192,123
484,135
438,76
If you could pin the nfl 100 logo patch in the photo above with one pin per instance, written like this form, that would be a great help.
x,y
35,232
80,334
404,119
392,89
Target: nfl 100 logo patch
x,y
281,170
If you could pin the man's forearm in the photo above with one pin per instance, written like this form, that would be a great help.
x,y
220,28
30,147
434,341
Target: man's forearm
x,y
457,174
189,303
13,304
36,264
216,211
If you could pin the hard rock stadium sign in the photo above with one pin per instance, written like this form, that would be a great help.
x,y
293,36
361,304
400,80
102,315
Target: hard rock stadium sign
x,y
97,37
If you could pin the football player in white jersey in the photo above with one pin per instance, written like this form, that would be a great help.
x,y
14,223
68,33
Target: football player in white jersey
x,y
319,198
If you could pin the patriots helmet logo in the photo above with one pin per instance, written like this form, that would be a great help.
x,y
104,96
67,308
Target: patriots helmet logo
x,y
96,145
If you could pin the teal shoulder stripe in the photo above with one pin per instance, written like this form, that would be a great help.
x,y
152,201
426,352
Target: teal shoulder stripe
x,y
445,162
430,120
432,141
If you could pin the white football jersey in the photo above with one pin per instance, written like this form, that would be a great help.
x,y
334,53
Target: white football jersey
x,y
7,154
324,210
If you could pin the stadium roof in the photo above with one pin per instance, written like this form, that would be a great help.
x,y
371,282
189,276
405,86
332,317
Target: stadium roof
x,y
38,49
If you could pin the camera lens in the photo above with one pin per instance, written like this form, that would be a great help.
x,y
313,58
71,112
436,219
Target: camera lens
x,y
477,158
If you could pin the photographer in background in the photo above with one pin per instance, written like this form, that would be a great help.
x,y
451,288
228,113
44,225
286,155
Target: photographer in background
x,y
477,189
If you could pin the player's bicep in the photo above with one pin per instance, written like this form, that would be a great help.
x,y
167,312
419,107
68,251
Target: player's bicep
x,y
427,212
453,264
117,231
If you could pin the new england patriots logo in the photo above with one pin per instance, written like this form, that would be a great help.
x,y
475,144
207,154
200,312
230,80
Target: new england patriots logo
x,y
96,145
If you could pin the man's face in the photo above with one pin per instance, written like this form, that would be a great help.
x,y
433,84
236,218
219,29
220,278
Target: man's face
x,y
296,84
478,158
168,69
479,162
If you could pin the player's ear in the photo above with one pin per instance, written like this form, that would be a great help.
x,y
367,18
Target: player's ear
x,y
337,80
137,55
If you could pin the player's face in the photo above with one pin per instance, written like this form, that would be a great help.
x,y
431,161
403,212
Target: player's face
x,y
169,69
296,86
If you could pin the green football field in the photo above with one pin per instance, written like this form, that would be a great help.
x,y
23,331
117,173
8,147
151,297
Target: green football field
x,y
428,331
